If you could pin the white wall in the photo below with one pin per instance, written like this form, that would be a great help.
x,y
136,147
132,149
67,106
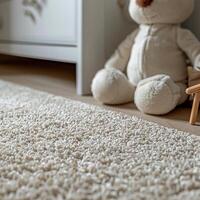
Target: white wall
x,y
194,22
122,25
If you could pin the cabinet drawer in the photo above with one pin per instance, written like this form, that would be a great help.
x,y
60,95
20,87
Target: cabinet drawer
x,y
48,22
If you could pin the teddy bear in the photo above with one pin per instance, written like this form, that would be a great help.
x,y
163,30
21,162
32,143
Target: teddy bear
x,y
150,65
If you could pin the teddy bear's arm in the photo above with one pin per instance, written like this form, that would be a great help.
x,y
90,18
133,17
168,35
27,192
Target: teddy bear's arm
x,y
120,58
190,45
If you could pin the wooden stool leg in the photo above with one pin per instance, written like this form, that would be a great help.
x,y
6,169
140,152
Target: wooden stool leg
x,y
195,108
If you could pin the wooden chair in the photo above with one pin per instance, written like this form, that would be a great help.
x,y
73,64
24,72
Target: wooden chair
x,y
195,91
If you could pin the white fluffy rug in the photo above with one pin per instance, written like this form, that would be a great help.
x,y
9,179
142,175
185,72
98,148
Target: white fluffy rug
x,y
55,148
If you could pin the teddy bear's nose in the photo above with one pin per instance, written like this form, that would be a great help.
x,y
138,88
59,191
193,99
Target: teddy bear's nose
x,y
144,3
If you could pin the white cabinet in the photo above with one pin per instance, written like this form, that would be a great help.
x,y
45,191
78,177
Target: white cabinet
x,y
53,23
84,32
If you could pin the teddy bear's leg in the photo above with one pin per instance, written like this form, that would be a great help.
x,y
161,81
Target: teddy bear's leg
x,y
111,86
158,95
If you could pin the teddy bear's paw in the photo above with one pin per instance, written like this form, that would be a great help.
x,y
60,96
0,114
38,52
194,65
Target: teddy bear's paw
x,y
111,86
157,95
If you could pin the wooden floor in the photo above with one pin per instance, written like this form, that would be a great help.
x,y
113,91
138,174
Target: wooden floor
x,y
59,79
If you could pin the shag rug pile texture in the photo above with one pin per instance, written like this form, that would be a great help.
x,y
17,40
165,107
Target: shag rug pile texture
x,y
55,148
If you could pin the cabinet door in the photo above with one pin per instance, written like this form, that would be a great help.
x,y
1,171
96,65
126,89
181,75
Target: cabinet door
x,y
39,21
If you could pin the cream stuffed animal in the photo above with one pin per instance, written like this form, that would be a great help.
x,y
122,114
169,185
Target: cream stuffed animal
x,y
150,66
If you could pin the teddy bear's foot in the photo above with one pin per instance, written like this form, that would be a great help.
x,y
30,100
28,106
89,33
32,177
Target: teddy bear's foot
x,y
157,95
111,86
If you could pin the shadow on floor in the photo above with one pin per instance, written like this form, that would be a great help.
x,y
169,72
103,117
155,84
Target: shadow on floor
x,y
11,65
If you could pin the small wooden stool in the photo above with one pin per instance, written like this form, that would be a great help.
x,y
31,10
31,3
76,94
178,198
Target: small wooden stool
x,y
195,91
